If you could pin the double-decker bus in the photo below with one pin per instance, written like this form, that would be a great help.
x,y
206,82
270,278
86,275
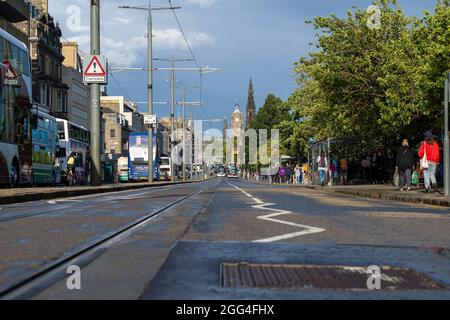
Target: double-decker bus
x,y
45,144
122,168
138,157
165,169
15,112
73,139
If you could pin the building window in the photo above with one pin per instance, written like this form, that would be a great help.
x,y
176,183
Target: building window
x,y
44,94
112,133
59,101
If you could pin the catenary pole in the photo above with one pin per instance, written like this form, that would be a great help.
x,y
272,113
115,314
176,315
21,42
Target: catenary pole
x,y
95,97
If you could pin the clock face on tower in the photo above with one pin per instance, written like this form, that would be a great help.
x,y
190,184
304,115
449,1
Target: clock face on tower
x,y
237,119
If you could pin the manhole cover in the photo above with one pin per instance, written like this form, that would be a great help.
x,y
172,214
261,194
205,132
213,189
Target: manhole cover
x,y
246,275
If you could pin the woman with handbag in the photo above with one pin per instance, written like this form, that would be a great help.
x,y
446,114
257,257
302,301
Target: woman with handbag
x,y
430,157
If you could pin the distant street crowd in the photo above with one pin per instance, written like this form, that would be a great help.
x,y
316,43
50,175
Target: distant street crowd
x,y
411,169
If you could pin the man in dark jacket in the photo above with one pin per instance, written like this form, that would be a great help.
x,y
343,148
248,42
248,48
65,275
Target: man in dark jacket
x,y
405,164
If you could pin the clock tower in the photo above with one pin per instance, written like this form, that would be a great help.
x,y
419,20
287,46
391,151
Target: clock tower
x,y
237,126
237,120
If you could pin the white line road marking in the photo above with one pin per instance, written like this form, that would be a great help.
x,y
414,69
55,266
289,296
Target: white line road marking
x,y
261,205
65,200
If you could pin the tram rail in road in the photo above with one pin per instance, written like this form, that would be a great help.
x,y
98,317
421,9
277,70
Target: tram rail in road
x,y
31,283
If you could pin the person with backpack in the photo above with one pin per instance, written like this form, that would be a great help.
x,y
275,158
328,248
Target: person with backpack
x,y
405,164
430,157
323,167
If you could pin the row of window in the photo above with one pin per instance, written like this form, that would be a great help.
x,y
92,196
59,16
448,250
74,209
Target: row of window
x,y
46,98
79,134
50,67
18,58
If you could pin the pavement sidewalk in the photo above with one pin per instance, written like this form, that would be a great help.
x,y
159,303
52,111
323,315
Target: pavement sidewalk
x,y
385,192
19,195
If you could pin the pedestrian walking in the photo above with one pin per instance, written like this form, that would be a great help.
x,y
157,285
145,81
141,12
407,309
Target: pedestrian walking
x,y
365,164
298,174
282,174
334,169
405,165
430,157
305,169
323,167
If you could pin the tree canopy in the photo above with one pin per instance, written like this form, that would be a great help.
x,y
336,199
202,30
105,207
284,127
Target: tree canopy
x,y
375,85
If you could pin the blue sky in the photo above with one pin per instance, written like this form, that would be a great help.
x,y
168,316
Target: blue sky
x,y
247,38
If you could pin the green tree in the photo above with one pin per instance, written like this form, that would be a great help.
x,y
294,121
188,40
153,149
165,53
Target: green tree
x,y
271,113
361,82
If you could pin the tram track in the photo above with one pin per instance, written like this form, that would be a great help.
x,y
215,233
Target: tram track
x,y
65,203
32,282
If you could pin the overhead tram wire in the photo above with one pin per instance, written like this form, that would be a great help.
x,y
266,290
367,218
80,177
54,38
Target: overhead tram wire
x,y
193,56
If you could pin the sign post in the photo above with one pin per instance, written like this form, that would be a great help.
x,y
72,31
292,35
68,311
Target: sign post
x,y
95,70
150,120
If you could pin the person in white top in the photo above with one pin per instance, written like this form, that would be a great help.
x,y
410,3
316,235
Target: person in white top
x,y
323,167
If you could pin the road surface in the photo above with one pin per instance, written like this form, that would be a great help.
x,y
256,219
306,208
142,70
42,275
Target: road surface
x,y
173,242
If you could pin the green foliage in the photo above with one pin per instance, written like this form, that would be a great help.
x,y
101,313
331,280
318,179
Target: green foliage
x,y
376,85
271,113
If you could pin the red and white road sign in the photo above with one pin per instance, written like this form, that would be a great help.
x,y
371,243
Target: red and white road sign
x,y
95,71
10,77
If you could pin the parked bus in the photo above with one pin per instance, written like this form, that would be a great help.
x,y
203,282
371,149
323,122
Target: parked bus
x,y
73,139
165,170
45,145
138,157
122,169
15,113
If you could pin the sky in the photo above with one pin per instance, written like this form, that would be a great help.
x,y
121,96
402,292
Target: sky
x,y
260,39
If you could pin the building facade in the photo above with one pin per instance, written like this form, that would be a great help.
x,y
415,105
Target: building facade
x,y
12,14
121,117
47,58
78,95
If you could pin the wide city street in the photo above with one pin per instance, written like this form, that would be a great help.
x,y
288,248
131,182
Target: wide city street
x,y
184,241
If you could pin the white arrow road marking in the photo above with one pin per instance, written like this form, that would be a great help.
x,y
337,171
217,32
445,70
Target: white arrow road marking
x,y
261,205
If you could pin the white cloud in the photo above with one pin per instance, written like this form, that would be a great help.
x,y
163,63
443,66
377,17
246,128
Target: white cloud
x,y
203,3
173,39
123,34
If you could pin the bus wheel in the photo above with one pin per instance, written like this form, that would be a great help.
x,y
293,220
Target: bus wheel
x,y
14,176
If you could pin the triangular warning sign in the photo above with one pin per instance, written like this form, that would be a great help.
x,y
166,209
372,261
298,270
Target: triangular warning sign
x,y
10,72
10,77
95,68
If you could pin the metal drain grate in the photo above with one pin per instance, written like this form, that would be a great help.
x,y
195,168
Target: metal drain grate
x,y
246,275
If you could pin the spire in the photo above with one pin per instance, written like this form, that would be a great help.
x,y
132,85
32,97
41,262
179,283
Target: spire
x,y
251,107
